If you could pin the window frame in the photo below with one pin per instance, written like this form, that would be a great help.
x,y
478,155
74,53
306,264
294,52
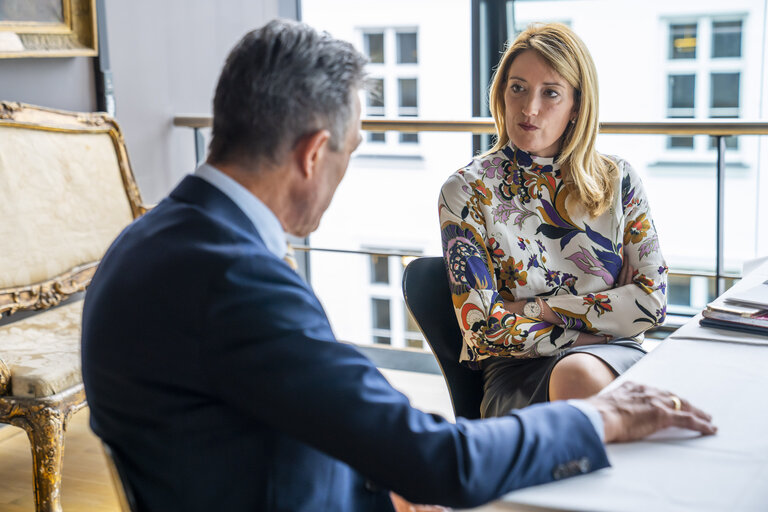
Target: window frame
x,y
703,67
391,72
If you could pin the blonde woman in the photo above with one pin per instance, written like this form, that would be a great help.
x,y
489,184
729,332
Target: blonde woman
x,y
552,256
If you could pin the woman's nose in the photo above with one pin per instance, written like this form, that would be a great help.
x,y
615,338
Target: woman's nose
x,y
531,106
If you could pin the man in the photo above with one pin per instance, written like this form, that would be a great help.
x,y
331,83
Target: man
x,y
210,366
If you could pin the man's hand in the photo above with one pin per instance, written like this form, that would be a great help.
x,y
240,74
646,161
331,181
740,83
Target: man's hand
x,y
634,411
403,505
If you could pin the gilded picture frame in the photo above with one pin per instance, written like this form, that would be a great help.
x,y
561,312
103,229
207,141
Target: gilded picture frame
x,y
47,28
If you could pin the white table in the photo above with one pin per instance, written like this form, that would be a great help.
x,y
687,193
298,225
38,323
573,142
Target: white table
x,y
725,374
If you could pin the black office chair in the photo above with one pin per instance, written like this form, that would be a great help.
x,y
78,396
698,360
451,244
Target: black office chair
x,y
123,490
425,288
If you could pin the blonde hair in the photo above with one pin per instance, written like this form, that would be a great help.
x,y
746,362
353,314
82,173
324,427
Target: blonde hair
x,y
591,174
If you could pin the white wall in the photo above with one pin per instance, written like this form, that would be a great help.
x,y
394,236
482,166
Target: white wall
x,y
166,57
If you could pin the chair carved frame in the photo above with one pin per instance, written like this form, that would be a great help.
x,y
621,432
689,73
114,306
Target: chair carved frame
x,y
45,418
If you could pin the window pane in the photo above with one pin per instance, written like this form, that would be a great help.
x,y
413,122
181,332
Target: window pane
x,y
374,47
414,343
408,97
680,142
377,137
726,39
681,95
682,41
380,313
380,269
409,138
375,97
731,142
382,340
679,290
724,95
407,52
410,322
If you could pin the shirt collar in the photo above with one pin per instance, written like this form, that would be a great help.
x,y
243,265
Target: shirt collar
x,y
265,222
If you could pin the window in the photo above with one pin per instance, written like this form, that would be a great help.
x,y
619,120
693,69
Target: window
x,y
409,105
380,269
391,323
407,51
704,69
375,105
374,47
381,324
726,36
682,41
681,103
413,337
394,91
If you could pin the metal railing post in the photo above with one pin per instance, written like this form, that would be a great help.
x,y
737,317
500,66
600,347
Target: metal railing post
x,y
720,233
199,146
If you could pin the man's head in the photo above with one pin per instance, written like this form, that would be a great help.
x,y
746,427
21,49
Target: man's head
x,y
280,83
287,99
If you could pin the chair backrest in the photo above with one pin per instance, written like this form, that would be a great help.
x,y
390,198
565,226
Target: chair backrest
x,y
425,287
66,191
123,490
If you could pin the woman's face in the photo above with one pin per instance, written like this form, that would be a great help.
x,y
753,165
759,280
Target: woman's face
x,y
539,105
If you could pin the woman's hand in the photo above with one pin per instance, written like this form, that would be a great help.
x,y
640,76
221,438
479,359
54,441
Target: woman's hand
x,y
625,274
549,316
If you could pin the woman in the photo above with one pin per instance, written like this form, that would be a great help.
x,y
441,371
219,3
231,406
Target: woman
x,y
553,259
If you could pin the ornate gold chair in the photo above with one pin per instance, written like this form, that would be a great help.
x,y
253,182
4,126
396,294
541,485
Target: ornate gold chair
x,y
66,191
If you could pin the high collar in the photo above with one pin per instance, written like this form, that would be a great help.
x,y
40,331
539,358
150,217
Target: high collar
x,y
528,162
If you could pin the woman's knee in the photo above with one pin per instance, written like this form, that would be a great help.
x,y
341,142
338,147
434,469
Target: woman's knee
x,y
578,375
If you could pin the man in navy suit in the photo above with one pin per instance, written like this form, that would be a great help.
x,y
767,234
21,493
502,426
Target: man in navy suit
x,y
209,364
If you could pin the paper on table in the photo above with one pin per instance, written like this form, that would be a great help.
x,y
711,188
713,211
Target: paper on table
x,y
693,331
637,484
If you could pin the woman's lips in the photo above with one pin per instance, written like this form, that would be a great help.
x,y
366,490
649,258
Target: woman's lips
x,y
527,127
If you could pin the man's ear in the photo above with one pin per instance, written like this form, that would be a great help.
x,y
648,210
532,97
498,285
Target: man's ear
x,y
310,149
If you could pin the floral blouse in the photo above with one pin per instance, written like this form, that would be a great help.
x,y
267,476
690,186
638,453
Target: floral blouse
x,y
510,231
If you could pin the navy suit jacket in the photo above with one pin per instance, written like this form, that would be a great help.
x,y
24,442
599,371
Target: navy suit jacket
x,y
212,371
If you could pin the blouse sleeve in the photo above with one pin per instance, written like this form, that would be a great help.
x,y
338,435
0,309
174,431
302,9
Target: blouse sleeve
x,y
487,327
628,310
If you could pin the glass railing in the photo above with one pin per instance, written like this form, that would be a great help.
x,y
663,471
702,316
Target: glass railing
x,y
370,315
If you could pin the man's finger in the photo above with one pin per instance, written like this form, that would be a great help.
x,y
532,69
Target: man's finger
x,y
686,406
683,419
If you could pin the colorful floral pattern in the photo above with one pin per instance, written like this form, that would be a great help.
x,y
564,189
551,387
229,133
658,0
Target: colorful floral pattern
x,y
509,232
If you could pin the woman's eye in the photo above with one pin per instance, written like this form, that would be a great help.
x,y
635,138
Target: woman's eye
x,y
516,87
551,93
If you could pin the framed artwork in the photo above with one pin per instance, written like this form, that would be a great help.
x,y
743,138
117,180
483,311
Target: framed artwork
x,y
47,28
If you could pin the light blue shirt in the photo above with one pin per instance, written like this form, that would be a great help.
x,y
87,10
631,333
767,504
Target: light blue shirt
x,y
266,223
271,232
592,414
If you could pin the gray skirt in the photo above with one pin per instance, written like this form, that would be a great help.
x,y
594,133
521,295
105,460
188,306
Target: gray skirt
x,y
511,383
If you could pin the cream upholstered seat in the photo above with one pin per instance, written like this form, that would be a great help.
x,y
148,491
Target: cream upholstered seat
x,y
66,191
42,352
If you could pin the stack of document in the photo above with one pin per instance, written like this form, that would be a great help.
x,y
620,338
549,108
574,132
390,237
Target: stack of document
x,y
745,311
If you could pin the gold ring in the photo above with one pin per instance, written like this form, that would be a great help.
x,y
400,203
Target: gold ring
x,y
677,402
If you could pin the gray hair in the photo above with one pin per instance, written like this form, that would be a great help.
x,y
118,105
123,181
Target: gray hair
x,y
280,83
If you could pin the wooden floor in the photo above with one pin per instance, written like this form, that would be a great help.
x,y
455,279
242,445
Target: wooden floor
x,y
86,486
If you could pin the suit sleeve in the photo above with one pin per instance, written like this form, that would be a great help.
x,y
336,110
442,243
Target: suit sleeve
x,y
486,325
273,356
628,310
